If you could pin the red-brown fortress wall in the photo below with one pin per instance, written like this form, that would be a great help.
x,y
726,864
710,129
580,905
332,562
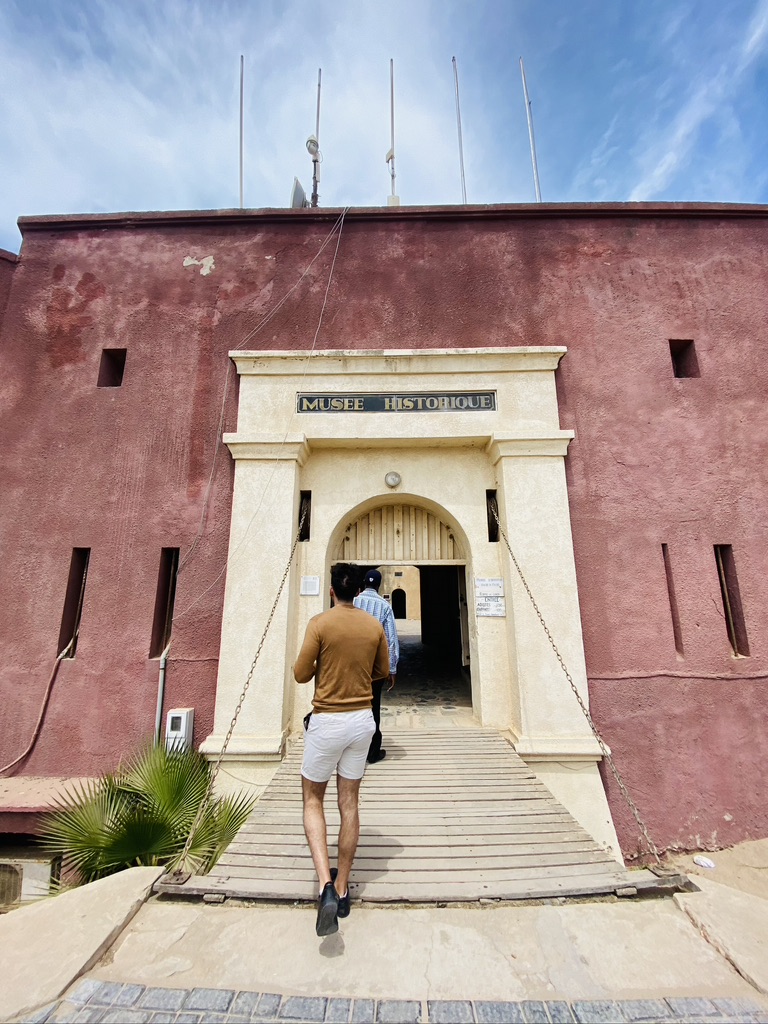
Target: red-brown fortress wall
x,y
7,264
656,459
122,471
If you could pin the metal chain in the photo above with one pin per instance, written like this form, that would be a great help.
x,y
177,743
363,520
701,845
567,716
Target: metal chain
x,y
606,753
180,863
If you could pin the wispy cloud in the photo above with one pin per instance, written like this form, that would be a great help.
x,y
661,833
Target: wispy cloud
x,y
756,37
107,106
706,98
593,173
136,106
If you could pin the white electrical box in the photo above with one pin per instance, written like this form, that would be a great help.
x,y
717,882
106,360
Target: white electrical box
x,y
179,723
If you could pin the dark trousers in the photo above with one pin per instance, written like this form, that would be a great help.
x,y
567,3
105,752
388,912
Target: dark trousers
x,y
375,747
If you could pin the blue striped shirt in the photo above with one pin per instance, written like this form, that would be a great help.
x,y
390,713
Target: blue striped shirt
x,y
380,609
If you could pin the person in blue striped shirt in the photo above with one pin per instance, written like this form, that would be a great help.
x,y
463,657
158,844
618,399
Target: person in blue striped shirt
x,y
370,601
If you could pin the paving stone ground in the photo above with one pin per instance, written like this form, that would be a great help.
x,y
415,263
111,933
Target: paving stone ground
x,y
100,1002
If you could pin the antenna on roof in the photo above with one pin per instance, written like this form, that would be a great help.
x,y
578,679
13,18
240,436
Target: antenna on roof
x,y
313,145
458,126
241,131
529,113
392,199
298,196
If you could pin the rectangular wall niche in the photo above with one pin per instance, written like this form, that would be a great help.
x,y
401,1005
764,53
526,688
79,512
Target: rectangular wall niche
x,y
164,601
729,591
684,359
111,368
73,600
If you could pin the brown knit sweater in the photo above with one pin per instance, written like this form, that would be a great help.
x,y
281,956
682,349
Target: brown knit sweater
x,y
344,649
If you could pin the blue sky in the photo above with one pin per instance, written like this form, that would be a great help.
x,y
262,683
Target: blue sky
x,y
108,106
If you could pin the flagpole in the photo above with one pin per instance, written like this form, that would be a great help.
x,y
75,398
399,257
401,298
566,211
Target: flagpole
x,y
529,114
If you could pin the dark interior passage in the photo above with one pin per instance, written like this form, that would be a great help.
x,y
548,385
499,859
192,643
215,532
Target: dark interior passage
x,y
430,673
433,671
428,678
399,603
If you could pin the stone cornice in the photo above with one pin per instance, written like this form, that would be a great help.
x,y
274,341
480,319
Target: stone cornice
x,y
501,211
268,449
347,362
506,447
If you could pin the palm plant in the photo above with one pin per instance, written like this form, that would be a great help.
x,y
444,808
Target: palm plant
x,y
142,815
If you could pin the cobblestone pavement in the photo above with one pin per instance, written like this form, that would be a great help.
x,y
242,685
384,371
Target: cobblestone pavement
x,y
103,1002
430,690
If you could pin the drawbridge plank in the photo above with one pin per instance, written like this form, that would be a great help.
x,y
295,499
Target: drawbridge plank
x,y
449,816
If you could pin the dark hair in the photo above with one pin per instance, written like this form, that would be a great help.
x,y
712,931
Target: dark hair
x,y
373,579
345,580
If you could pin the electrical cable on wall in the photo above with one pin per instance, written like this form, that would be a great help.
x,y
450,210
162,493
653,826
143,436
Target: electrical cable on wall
x,y
259,327
275,458
337,227
43,707
179,869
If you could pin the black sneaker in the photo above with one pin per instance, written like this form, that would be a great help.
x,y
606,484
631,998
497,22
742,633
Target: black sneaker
x,y
377,757
344,907
327,911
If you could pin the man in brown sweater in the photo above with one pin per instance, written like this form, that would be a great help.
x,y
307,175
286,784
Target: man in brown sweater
x,y
344,649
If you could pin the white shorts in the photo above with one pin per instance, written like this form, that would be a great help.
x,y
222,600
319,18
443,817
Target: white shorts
x,y
337,743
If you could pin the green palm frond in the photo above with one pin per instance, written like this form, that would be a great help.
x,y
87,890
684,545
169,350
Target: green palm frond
x,y
142,838
222,820
81,827
231,813
173,782
143,815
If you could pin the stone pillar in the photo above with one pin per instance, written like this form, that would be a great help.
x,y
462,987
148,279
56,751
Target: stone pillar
x,y
264,525
533,509
555,738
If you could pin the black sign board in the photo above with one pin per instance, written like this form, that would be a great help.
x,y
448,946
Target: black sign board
x,y
397,401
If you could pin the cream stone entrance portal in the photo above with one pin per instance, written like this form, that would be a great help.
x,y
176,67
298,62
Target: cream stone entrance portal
x,y
396,453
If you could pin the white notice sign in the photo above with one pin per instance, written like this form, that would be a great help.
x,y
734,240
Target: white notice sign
x,y
488,587
491,607
310,586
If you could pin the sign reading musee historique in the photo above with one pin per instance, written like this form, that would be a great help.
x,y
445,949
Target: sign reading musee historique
x,y
396,401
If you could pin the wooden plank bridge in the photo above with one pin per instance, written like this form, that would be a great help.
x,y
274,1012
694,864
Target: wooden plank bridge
x,y
449,816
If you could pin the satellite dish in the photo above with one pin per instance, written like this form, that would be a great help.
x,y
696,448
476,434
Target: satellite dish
x,y
298,196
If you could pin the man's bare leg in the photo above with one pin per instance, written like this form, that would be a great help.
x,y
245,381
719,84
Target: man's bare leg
x,y
349,831
315,829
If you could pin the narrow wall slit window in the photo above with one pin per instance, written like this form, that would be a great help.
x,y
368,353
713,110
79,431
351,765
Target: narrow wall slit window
x,y
111,368
672,601
729,591
73,600
166,595
684,361
492,509
305,514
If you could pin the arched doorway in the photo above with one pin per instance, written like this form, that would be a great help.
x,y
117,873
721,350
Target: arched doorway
x,y
405,539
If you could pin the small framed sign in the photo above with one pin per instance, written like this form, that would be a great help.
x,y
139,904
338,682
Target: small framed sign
x,y
491,607
489,587
310,586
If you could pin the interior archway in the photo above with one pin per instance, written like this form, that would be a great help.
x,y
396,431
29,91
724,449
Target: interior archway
x,y
401,532
398,532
